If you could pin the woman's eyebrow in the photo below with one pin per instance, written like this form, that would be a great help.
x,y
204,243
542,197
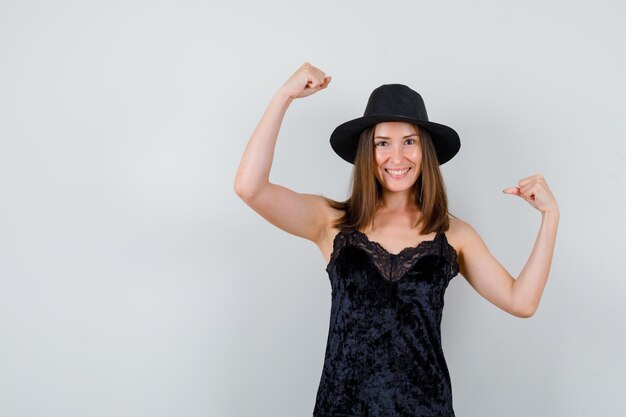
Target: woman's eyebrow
x,y
385,137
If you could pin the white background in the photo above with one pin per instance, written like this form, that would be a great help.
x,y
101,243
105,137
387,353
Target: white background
x,y
134,282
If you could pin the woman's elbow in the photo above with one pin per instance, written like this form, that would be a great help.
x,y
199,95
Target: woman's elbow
x,y
525,313
243,190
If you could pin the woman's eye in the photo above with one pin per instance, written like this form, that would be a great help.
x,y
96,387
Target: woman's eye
x,y
410,141
383,143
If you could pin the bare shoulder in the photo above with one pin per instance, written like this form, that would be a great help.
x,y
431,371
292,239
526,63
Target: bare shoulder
x,y
459,233
464,237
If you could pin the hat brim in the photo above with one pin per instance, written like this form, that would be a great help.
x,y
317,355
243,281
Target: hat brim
x,y
345,138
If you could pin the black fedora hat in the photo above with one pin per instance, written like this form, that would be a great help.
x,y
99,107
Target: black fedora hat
x,y
388,103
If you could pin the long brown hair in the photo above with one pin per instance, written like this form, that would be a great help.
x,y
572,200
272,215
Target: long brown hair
x,y
429,189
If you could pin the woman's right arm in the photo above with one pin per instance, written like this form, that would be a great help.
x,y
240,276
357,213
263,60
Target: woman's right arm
x,y
303,215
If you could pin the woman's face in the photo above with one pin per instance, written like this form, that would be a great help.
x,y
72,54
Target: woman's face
x,y
398,155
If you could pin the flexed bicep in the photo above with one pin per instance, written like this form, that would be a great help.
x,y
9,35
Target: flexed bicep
x,y
485,273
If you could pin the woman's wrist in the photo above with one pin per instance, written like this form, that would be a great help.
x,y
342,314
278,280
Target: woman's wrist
x,y
282,97
553,214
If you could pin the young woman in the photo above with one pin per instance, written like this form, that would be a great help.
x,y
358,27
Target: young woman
x,y
391,249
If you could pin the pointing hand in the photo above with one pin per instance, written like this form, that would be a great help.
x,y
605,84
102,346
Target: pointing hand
x,y
536,192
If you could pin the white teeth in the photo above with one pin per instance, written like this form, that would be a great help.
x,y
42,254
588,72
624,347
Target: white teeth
x,y
397,172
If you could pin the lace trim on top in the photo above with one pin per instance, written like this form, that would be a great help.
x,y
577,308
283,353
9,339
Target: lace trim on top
x,y
393,266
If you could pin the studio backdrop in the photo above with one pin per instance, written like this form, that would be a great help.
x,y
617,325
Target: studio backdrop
x,y
135,282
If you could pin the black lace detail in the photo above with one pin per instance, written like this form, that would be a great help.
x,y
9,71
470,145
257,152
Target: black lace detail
x,y
394,266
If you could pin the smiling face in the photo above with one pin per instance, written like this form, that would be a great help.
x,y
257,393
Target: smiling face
x,y
397,154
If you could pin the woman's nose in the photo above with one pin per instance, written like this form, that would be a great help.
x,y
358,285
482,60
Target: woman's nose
x,y
397,154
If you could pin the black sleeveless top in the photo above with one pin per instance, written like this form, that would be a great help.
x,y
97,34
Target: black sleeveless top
x,y
383,354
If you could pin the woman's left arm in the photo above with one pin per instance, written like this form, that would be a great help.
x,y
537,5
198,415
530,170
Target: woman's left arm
x,y
518,296
529,285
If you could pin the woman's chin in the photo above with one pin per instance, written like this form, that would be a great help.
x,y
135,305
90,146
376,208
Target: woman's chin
x,y
398,187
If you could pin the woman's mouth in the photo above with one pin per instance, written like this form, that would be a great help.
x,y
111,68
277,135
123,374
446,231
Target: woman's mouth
x,y
397,173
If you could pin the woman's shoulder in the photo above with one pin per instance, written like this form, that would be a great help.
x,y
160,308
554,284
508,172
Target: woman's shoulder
x,y
457,233
456,224
461,234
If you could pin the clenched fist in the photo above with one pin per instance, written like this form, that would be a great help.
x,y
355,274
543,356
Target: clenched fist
x,y
535,191
305,81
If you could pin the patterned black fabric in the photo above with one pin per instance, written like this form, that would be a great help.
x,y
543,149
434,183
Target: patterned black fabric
x,y
383,355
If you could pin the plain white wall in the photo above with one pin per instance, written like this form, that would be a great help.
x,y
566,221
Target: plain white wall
x,y
134,282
